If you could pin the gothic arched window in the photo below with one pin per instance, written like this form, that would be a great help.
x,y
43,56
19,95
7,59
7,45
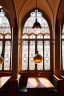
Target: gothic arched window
x,y
5,41
32,38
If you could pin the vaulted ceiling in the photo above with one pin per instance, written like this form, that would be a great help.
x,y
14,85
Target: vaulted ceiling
x,y
19,8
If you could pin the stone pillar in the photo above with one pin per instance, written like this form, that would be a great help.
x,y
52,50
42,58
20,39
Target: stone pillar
x,y
19,51
15,52
57,48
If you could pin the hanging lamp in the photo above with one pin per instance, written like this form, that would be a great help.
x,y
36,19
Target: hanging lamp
x,y
1,60
36,24
37,58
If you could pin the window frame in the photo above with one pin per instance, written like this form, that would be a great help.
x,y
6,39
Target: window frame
x,y
51,50
5,30
35,50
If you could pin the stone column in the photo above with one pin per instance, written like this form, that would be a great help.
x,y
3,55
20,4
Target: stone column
x,y
15,51
57,48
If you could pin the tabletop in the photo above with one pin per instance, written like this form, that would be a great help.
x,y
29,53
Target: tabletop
x,y
3,80
39,83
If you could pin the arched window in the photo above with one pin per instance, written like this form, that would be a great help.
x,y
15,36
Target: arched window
x,y
5,41
32,38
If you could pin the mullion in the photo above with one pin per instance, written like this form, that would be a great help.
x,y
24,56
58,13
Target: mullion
x,y
35,52
43,52
10,53
28,53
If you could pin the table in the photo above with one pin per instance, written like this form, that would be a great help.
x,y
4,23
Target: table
x,y
36,82
3,80
38,86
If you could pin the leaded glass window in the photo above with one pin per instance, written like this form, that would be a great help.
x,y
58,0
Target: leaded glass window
x,y
40,50
24,55
31,55
46,55
35,38
5,41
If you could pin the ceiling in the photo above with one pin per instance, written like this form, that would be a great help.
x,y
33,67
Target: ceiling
x,y
19,8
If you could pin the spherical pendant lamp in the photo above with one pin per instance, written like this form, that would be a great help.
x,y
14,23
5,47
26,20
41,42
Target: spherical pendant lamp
x,y
37,58
1,60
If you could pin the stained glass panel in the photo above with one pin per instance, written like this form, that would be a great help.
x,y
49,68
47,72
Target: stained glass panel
x,y
63,55
40,51
25,36
30,21
0,47
31,55
47,55
4,29
24,55
40,42
8,36
7,55
1,36
63,30
32,36
39,36
62,36
62,48
4,25
0,53
46,36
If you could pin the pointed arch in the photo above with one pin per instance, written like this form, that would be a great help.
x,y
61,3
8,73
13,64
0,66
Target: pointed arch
x,y
5,41
30,44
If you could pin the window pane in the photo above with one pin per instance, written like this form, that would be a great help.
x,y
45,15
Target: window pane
x,y
0,47
4,25
31,55
46,36
25,36
63,32
7,55
24,55
62,36
63,55
46,55
8,36
40,51
0,53
62,48
1,36
32,36
40,36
